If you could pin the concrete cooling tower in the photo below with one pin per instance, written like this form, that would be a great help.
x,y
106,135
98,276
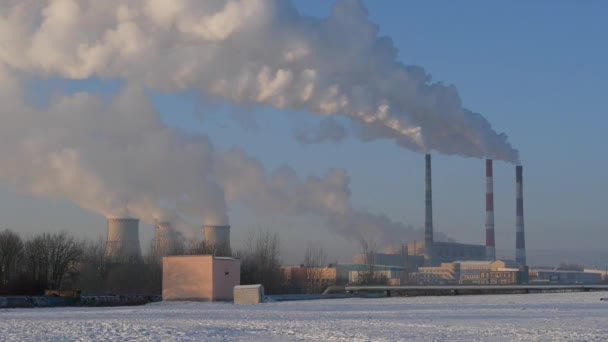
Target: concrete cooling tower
x,y
163,236
122,243
217,236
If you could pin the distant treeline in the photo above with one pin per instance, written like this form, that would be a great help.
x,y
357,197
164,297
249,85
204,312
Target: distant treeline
x,y
60,261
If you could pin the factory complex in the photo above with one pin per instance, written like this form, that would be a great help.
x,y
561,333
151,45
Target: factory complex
x,y
418,262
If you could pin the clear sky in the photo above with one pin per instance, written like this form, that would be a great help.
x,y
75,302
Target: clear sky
x,y
535,70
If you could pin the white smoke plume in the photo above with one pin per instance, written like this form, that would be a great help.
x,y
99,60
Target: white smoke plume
x,y
117,158
251,51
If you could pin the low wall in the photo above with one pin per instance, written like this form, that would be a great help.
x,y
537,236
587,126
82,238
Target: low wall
x,y
455,290
45,302
123,300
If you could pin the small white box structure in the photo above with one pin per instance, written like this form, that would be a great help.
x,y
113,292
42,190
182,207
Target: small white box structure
x,y
249,294
200,277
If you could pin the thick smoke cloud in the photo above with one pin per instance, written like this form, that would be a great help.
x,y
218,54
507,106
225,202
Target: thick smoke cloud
x,y
251,51
117,158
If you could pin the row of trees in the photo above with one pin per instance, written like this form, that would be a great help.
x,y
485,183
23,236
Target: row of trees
x,y
60,261
37,263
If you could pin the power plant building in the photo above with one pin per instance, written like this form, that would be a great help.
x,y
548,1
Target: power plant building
x,y
440,257
434,252
441,252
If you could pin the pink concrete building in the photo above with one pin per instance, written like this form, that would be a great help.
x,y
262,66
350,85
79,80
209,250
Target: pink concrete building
x,y
200,277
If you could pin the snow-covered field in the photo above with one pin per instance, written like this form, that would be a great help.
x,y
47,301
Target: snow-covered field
x,y
533,317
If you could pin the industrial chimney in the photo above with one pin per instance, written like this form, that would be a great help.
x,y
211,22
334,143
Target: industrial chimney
x,y
217,238
122,243
490,245
428,221
520,240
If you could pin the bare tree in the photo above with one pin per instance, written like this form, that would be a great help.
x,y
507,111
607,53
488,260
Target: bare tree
x,y
260,261
196,247
11,249
176,245
368,276
314,259
93,268
48,257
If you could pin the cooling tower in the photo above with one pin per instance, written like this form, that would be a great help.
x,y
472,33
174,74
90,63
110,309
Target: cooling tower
x,y
122,243
217,236
428,201
490,245
163,236
520,240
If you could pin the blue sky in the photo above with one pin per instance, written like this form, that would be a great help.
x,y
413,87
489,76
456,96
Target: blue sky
x,y
535,70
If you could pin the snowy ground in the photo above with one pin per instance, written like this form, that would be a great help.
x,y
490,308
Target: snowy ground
x,y
533,317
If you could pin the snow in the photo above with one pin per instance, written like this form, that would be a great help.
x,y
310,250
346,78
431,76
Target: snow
x,y
532,317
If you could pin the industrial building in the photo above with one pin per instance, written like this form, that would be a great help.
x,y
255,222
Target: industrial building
x,y
483,272
441,252
550,276
435,253
385,259
200,277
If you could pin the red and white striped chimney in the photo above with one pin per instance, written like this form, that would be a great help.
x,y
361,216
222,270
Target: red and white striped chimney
x,y
490,246
520,240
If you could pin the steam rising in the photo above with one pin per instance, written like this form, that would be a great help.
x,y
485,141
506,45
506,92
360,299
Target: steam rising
x,y
251,51
117,158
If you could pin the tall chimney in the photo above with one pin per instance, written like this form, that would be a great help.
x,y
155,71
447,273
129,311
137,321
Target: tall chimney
x,y
520,240
490,245
428,222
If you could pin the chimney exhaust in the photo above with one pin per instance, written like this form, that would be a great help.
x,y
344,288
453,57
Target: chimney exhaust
x,y
428,222
520,240
490,243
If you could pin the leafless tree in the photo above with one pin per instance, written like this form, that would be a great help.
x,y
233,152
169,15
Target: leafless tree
x,y
260,261
369,248
196,247
48,257
176,245
314,259
11,249
93,268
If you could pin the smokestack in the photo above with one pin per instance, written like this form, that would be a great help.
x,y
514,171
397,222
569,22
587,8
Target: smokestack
x,y
122,242
490,245
217,238
520,240
428,222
